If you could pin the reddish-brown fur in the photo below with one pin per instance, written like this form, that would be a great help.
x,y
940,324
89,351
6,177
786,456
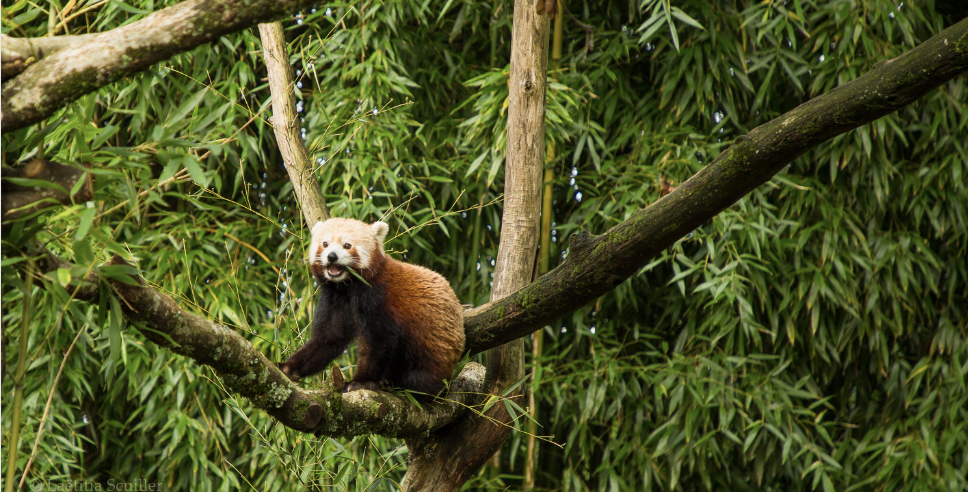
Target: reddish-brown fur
x,y
427,309
407,321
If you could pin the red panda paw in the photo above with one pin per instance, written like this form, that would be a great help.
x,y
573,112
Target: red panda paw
x,y
358,385
288,370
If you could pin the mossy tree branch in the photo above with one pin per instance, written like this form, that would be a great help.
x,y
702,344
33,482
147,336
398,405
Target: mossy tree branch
x,y
100,59
247,372
596,264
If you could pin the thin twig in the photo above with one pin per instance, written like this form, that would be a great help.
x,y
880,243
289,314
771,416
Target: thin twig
x,y
53,387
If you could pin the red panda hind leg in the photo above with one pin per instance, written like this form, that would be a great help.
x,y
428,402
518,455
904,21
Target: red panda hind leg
x,y
423,382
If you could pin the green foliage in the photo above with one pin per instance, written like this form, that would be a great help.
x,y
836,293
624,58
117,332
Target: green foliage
x,y
810,337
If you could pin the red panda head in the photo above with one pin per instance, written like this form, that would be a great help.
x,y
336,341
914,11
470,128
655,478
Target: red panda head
x,y
339,244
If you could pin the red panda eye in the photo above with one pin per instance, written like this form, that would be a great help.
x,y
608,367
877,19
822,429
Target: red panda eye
x,y
325,244
347,246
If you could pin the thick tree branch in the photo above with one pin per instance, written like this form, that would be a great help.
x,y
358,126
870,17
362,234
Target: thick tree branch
x,y
16,54
246,372
285,124
596,264
59,78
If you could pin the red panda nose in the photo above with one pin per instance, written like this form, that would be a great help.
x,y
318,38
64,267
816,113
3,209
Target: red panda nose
x,y
332,257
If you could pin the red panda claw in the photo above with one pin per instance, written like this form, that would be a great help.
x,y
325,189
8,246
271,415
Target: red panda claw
x,y
287,370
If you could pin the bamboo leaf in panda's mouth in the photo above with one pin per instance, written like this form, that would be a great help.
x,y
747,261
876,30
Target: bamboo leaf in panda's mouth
x,y
357,275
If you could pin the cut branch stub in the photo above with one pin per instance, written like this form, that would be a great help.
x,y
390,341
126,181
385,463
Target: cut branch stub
x,y
44,183
337,379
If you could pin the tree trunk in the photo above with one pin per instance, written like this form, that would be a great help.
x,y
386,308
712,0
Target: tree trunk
x,y
448,458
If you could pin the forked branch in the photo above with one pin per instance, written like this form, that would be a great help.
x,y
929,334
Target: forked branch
x,y
596,264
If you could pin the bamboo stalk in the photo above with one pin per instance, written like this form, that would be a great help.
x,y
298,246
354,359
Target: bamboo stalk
x,y
494,6
18,384
537,345
556,40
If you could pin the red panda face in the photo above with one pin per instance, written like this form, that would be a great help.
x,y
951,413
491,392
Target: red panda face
x,y
340,244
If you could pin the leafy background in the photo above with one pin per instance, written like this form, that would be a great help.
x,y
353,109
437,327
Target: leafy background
x,y
811,336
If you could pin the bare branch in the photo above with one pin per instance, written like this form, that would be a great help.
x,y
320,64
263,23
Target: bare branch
x,y
284,123
104,58
596,264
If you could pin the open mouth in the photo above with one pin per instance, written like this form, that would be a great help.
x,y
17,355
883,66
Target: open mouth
x,y
335,271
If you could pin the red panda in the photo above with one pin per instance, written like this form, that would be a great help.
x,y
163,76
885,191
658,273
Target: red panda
x,y
405,318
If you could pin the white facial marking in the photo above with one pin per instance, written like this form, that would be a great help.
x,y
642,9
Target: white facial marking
x,y
332,236
317,228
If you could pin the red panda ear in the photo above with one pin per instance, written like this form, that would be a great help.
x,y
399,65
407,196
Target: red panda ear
x,y
380,229
317,228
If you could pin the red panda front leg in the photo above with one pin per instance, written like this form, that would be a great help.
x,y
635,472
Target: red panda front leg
x,y
376,354
325,345
368,374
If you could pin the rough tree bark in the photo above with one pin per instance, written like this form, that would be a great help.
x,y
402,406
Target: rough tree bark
x,y
445,460
100,59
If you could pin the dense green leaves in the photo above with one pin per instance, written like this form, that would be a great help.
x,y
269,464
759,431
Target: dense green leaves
x,y
810,337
